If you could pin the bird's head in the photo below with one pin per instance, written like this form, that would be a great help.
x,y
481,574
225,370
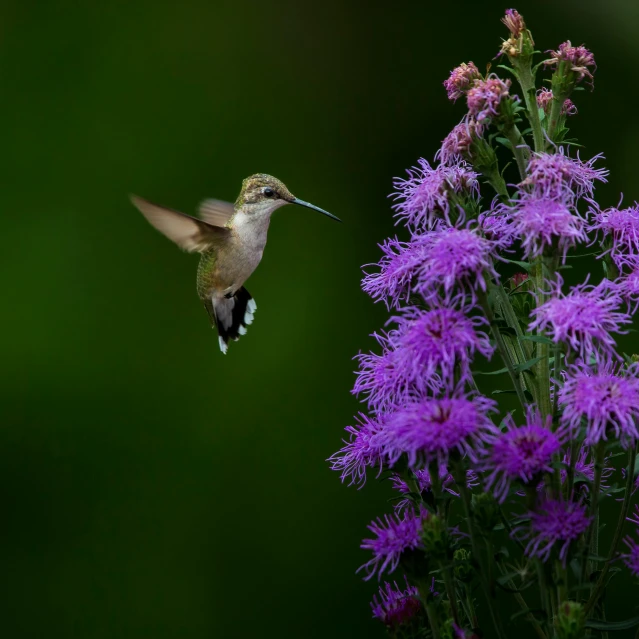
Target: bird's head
x,y
262,194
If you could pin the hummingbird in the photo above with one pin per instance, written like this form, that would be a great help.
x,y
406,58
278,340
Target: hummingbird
x,y
230,239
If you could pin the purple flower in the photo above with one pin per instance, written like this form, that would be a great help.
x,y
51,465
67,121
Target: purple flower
x,y
439,340
497,225
484,98
424,484
521,452
631,558
628,282
454,258
620,225
380,379
514,22
398,267
433,428
461,79
555,522
457,144
445,258
584,318
578,59
544,100
422,354
361,451
393,536
585,468
395,607
544,221
427,192
606,397
556,175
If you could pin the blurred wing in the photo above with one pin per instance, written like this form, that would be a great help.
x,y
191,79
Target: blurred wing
x,y
187,232
216,212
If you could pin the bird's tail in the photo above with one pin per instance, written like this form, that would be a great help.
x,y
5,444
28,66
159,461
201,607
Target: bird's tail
x,y
233,315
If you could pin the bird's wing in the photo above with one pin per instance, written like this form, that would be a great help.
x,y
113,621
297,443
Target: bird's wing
x,y
216,212
187,232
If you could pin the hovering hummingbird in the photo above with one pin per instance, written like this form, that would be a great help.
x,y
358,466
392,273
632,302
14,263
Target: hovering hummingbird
x,y
230,239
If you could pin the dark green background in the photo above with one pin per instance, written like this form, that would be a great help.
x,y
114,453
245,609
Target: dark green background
x,y
152,487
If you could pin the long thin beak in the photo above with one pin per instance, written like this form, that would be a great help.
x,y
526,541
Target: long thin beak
x,y
308,205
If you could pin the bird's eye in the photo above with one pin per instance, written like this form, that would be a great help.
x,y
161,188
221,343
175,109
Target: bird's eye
x,y
268,192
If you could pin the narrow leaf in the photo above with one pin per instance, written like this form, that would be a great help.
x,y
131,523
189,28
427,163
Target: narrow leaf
x,y
540,339
598,624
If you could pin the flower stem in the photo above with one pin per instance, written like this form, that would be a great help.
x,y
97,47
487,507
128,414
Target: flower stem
x,y
527,82
524,606
460,478
519,148
555,115
542,372
623,513
599,454
501,347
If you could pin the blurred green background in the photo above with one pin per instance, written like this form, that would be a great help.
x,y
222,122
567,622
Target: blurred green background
x,y
152,487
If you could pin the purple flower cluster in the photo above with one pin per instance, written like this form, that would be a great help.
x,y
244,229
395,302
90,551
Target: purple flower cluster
x,y
578,60
458,143
394,606
619,227
429,194
544,100
631,558
555,522
454,297
556,175
430,430
485,98
521,453
606,398
361,451
433,263
422,354
461,79
393,536
514,22
584,318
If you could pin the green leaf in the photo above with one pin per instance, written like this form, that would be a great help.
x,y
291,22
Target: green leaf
x,y
499,372
504,142
504,392
636,466
611,626
527,266
520,368
539,339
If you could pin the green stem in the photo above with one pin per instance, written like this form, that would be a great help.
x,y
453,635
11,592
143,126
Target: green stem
x,y
472,615
542,368
436,486
599,454
501,347
524,606
519,149
527,82
432,619
510,316
460,478
625,507
555,115
570,476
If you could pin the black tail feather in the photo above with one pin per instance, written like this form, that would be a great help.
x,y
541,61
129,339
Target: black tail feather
x,y
232,316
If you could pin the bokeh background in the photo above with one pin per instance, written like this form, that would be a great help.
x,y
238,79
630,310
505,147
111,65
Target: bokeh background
x,y
151,487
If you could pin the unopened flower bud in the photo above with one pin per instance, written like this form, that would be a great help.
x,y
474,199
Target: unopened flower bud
x,y
570,620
